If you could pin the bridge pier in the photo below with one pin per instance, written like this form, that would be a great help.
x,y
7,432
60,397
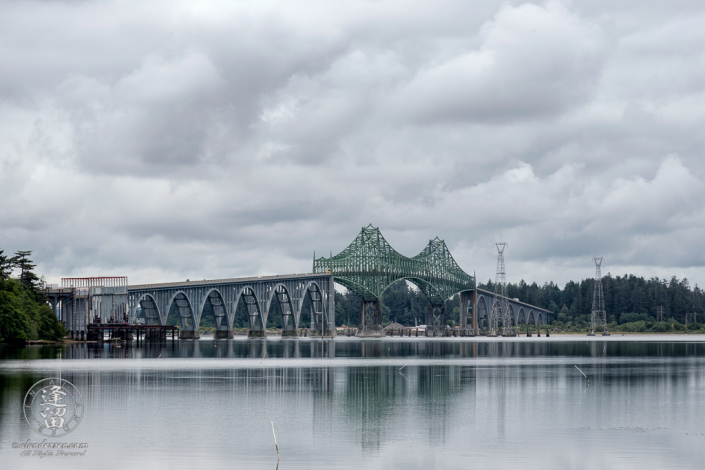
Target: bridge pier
x,y
370,320
223,334
436,319
189,334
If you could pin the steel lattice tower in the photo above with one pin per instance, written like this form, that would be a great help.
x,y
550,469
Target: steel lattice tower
x,y
598,301
500,308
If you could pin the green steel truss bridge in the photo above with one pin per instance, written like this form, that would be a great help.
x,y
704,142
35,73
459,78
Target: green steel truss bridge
x,y
369,265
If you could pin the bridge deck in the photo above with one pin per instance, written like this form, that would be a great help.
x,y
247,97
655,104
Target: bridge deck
x,y
534,307
220,281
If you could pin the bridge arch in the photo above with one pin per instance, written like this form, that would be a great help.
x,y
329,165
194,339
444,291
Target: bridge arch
x,y
181,301
150,308
531,318
512,316
369,265
428,289
483,318
281,294
249,297
540,319
214,301
314,294
521,317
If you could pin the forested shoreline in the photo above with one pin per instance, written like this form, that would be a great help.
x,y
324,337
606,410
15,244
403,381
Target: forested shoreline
x,y
631,303
24,313
629,300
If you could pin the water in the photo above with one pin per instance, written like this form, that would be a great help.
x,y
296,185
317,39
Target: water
x,y
345,403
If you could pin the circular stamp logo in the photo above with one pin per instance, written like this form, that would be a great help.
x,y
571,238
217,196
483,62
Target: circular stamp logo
x,y
53,407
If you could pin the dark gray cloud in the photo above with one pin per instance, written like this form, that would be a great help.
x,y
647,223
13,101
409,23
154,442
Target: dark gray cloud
x,y
176,140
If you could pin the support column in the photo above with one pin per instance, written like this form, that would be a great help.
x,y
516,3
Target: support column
x,y
436,318
468,301
189,334
257,330
370,320
224,334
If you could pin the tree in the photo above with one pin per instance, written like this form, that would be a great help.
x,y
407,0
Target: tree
x,y
22,262
6,265
24,313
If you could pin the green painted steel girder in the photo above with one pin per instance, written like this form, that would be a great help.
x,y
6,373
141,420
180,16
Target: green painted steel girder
x,y
369,265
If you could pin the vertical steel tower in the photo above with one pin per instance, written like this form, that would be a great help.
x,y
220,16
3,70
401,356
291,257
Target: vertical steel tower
x,y
500,308
598,302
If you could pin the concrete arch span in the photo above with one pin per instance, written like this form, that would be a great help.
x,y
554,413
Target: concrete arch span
x,y
150,309
313,293
215,303
181,302
255,315
279,294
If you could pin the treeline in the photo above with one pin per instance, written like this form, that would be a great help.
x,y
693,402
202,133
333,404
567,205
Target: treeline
x,y
24,313
628,298
399,303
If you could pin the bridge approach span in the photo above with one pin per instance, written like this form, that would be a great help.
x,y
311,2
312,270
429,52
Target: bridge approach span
x,y
192,299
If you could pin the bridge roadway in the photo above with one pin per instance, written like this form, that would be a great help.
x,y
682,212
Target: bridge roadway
x,y
297,294
300,296
220,298
481,301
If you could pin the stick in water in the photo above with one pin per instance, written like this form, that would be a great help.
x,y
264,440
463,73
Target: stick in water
x,y
402,367
276,446
263,356
583,373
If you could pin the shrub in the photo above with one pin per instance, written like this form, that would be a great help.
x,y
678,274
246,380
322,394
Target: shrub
x,y
634,317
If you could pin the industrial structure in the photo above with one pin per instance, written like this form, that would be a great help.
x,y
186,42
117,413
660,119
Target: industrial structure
x,y
82,301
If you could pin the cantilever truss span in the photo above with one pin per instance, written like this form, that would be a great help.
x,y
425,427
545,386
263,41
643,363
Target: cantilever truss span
x,y
369,265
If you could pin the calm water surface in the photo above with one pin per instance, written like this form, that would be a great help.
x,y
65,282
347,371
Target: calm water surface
x,y
345,403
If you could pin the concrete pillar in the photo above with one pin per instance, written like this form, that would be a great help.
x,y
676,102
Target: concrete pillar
x,y
370,320
189,334
223,334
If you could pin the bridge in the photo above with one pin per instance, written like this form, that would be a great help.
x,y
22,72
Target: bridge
x,y
481,301
367,266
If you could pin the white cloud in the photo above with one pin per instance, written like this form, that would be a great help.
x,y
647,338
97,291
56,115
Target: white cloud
x,y
179,140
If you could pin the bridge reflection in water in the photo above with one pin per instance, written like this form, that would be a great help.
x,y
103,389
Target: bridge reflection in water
x,y
348,400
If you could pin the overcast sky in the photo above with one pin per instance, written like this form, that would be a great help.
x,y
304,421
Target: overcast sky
x,y
172,140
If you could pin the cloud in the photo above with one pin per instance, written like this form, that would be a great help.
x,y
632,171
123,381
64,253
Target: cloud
x,y
171,141
533,61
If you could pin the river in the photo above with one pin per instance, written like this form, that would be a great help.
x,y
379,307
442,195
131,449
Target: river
x,y
402,403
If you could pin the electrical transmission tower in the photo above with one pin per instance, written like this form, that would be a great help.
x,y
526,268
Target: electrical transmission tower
x,y
598,302
691,317
659,313
500,306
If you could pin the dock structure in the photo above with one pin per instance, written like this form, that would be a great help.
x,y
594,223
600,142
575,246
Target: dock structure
x,y
129,332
